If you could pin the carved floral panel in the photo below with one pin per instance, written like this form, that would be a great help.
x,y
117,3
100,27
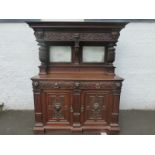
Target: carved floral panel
x,y
94,105
58,106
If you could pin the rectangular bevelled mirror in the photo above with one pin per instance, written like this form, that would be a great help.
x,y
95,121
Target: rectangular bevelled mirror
x,y
60,54
93,54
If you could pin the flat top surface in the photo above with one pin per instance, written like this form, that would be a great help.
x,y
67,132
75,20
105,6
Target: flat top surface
x,y
77,25
77,76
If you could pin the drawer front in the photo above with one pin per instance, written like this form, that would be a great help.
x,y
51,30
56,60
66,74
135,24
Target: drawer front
x,y
59,85
57,107
94,107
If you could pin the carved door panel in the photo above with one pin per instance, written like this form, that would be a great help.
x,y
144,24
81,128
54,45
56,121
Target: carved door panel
x,y
94,107
58,105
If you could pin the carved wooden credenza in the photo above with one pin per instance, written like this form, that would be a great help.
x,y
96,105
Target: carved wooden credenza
x,y
76,91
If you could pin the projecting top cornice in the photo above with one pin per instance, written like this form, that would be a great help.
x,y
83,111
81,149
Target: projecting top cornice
x,y
97,26
84,31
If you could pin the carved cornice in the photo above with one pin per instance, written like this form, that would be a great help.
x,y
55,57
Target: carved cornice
x,y
108,26
88,31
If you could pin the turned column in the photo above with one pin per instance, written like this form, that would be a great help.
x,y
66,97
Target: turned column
x,y
43,52
111,53
76,52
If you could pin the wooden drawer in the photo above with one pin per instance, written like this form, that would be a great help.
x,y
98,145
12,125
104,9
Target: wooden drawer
x,y
77,85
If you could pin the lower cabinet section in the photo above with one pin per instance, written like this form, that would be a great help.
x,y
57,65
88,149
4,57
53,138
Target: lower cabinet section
x,y
76,111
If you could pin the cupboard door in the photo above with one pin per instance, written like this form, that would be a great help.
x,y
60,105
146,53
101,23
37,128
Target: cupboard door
x,y
94,107
58,105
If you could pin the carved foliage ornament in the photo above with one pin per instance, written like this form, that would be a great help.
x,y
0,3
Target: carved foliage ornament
x,y
96,105
75,85
68,36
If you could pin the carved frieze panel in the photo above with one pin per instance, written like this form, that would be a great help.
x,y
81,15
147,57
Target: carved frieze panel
x,y
76,85
68,36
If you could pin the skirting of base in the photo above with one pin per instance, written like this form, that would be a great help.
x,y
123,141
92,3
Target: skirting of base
x,y
110,130
39,130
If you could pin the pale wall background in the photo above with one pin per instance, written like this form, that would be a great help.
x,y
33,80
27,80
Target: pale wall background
x,y
135,62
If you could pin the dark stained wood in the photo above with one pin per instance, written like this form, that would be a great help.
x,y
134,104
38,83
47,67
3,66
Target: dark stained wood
x,y
76,97
78,76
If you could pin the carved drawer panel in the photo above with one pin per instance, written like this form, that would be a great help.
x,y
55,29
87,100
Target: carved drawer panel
x,y
76,85
57,108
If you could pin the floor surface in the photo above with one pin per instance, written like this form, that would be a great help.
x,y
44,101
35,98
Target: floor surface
x,y
132,122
